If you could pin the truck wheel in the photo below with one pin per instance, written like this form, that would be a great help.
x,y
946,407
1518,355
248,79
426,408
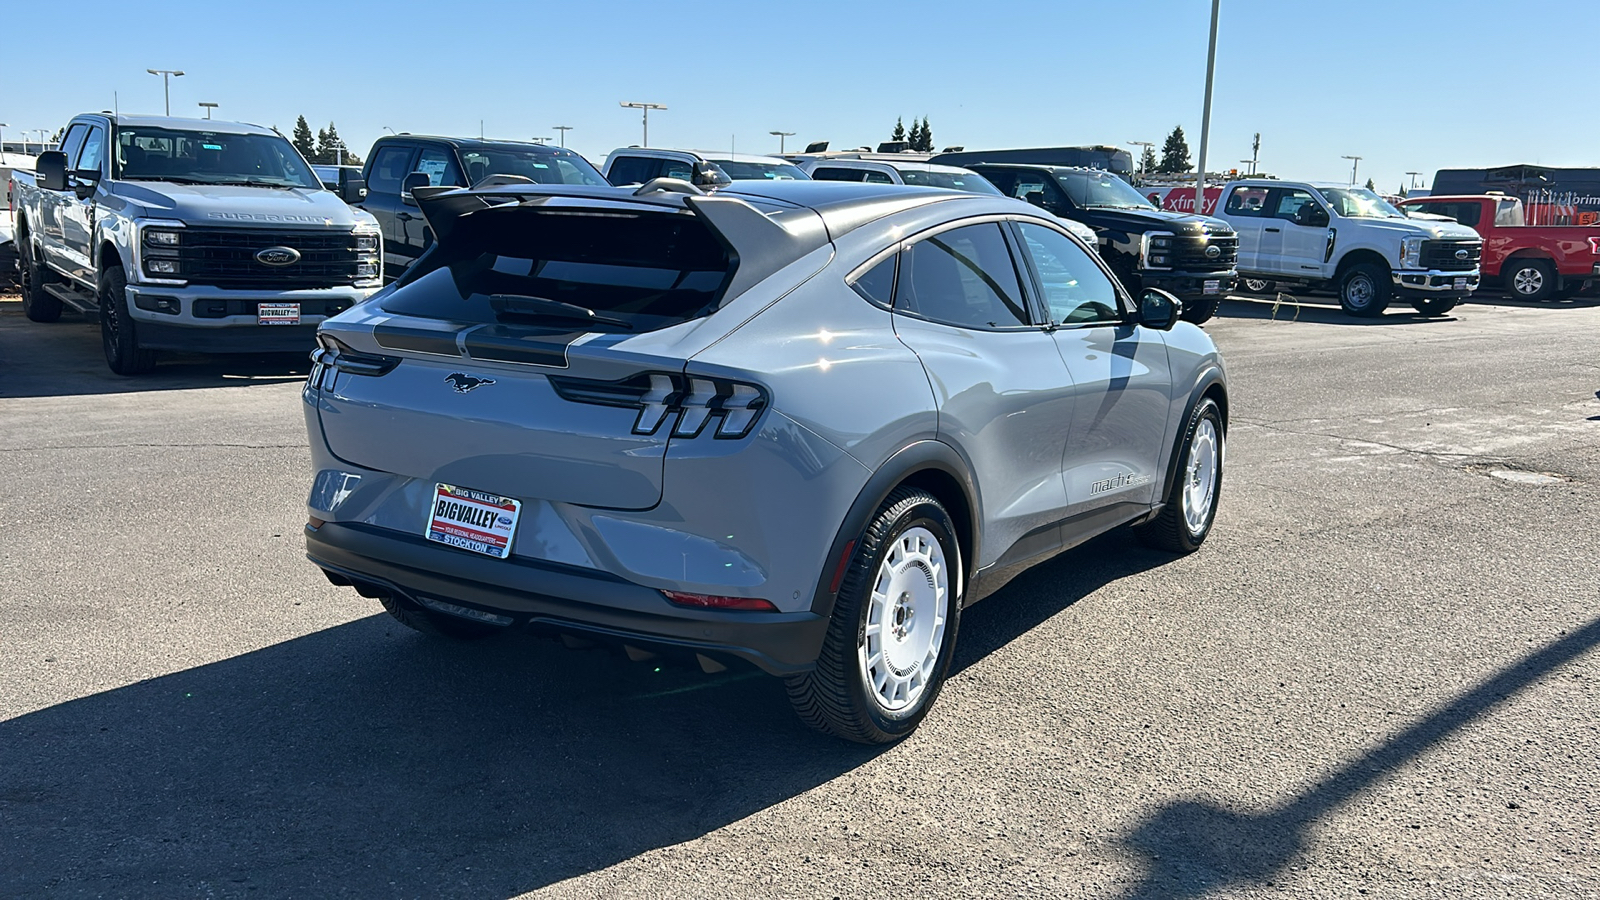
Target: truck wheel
x,y
1365,290
1533,280
1258,285
1198,311
1191,505
1435,307
437,624
893,630
37,305
118,332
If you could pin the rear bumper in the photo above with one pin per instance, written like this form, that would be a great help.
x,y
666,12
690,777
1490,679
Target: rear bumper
x,y
1434,282
562,598
1191,285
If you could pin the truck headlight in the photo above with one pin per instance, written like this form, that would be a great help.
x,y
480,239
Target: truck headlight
x,y
160,238
366,243
161,266
1411,252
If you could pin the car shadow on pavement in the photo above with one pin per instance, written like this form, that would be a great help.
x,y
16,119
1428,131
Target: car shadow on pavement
x,y
64,358
1192,848
1297,309
1505,300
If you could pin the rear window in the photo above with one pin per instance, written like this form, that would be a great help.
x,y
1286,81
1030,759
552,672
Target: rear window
x,y
541,268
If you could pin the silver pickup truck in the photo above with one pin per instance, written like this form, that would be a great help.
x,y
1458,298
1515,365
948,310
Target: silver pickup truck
x,y
188,234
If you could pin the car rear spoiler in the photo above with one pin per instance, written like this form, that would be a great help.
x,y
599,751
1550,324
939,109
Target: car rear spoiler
x,y
760,244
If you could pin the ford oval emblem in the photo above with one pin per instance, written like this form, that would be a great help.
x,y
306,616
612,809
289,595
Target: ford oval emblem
x,y
1213,251
278,256
1462,254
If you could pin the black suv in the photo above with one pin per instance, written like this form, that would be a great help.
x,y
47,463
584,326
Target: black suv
x,y
399,163
1193,257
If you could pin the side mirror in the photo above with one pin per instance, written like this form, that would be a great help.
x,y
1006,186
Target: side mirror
x,y
52,170
708,175
1159,309
1311,216
352,189
413,181
1036,198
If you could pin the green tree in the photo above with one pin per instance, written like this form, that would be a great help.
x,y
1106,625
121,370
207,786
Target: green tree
x,y
914,139
1175,153
303,141
899,133
1402,190
330,146
927,137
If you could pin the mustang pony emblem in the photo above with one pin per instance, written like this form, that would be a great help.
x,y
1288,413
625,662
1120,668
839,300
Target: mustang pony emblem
x,y
463,382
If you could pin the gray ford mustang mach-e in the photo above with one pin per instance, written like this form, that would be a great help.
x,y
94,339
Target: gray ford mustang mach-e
x,y
801,425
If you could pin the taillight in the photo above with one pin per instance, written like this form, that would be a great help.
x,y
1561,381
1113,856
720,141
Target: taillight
x,y
1594,245
710,601
692,404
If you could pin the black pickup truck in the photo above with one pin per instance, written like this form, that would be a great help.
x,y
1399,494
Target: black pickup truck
x,y
399,163
1193,257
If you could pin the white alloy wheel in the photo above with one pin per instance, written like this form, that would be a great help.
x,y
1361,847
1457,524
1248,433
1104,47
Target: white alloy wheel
x,y
906,613
1200,484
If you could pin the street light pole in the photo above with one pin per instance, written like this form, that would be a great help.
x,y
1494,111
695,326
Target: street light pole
x,y
2,138
780,136
563,129
166,90
1413,179
1143,145
209,106
646,107
1205,120
1354,162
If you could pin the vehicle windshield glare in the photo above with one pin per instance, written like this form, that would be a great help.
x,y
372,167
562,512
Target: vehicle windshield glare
x,y
760,171
210,157
1101,190
558,167
957,181
1359,203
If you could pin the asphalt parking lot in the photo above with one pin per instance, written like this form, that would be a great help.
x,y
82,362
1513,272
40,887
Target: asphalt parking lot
x,y
1379,677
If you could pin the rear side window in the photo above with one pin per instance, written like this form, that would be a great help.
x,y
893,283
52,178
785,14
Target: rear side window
x,y
877,283
542,268
963,277
838,173
632,169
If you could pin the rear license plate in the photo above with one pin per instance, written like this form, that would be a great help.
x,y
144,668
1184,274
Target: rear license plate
x,y
1461,284
1211,287
473,520
278,314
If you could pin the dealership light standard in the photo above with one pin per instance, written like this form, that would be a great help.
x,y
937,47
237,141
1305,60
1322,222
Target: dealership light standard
x,y
209,106
166,80
646,107
2,137
1146,145
1205,120
1354,162
563,129
780,135
1413,179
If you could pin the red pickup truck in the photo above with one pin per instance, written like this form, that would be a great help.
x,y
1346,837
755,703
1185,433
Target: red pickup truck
x,y
1531,262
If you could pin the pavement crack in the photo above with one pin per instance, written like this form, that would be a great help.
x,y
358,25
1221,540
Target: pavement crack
x,y
1449,455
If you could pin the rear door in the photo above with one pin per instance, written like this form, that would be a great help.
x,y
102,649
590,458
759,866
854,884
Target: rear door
x,y
1004,396
1121,381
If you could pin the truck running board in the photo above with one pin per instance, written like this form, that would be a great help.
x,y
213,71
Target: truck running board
x,y
82,301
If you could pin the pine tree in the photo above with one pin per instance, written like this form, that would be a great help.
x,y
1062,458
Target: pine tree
x,y
927,137
1147,161
1402,190
303,141
914,139
1175,153
899,130
329,146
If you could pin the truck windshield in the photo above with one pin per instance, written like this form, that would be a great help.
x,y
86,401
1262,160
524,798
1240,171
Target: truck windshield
x,y
541,167
761,171
1359,203
971,182
210,157
1101,190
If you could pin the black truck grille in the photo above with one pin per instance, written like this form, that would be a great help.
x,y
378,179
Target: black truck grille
x,y
226,257
1446,255
1191,253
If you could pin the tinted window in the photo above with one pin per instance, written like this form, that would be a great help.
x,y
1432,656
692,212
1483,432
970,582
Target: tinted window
x,y
389,169
440,167
1075,288
73,142
1465,213
1294,205
964,277
94,151
633,169
877,283
877,178
836,173
1246,201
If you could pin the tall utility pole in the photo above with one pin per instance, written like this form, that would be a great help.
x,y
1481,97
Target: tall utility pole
x,y
208,107
780,136
166,83
2,137
1205,119
563,129
1354,162
646,107
1143,145
1255,151
1413,178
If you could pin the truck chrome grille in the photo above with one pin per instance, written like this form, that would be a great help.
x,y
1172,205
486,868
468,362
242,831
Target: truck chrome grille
x,y
1441,255
1190,252
226,257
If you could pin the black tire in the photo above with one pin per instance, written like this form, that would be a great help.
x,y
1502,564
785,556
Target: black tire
x,y
1365,290
437,624
1201,311
834,698
119,334
1258,285
37,305
1436,306
1533,280
1171,529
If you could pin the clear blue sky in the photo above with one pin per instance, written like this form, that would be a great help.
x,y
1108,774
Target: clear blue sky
x,y
1407,84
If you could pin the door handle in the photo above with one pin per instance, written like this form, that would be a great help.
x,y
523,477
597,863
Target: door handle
x,y
1271,229
404,216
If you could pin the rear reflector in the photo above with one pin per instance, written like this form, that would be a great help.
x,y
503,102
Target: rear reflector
x,y
707,601
838,572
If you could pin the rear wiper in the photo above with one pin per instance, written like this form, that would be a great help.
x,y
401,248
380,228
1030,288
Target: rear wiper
x,y
528,306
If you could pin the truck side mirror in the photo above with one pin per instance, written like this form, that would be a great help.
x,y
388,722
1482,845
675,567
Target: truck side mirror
x,y
413,181
1159,309
1314,216
708,175
352,189
52,170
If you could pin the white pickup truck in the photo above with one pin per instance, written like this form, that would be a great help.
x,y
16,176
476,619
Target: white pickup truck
x,y
1349,240
188,234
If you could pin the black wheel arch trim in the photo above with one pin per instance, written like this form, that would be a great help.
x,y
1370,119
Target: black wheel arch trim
x,y
1209,378
919,456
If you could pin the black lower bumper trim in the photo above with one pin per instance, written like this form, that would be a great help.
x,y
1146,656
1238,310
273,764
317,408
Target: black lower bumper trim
x,y
563,599
1191,285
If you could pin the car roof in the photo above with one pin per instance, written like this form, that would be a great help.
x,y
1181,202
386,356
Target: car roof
x,y
1052,168
470,142
177,123
900,164
711,155
1460,197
